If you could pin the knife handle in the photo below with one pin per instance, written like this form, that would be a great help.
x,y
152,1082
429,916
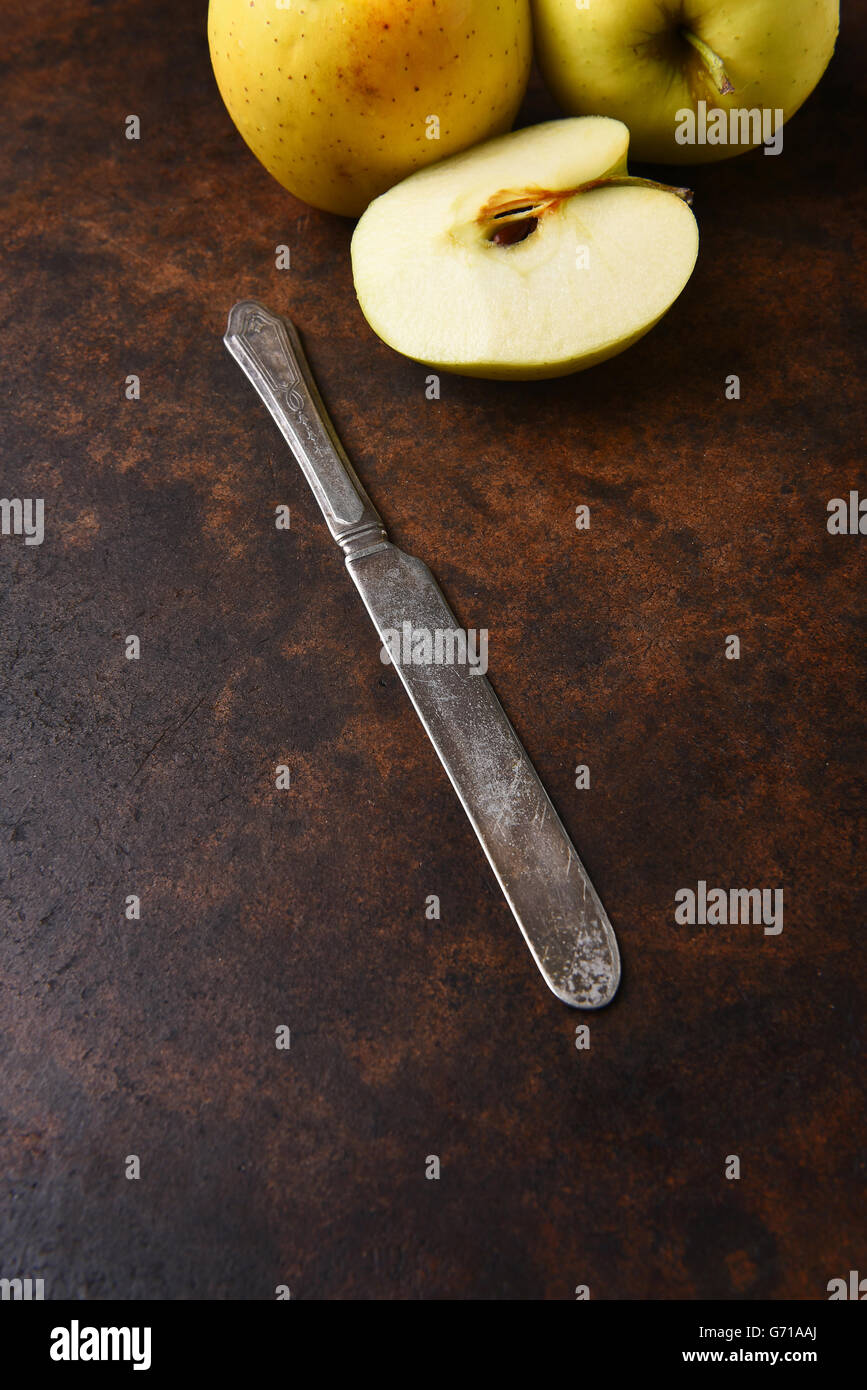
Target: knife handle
x,y
267,348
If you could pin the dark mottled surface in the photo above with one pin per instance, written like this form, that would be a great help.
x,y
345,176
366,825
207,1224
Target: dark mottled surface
x,y
306,908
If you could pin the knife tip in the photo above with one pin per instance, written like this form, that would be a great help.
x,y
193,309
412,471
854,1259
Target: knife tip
x,y
590,988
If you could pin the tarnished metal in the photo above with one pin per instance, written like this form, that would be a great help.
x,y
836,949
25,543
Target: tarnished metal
x,y
545,883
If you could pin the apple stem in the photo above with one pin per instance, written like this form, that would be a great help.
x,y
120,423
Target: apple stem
x,y
633,181
712,61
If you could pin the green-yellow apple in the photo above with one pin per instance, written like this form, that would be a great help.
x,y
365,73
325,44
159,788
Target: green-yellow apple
x,y
644,61
340,99
533,255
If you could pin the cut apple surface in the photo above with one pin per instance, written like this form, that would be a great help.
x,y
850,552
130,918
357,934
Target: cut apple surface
x,y
533,255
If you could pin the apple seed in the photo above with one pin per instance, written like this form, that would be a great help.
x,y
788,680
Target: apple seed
x,y
513,231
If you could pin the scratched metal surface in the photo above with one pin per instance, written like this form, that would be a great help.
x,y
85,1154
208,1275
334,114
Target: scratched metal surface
x,y
261,908
558,910
546,885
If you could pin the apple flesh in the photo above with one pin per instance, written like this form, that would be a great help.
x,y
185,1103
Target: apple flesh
x,y
530,256
644,60
340,99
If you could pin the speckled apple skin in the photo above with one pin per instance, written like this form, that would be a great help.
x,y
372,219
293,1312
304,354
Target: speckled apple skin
x,y
340,99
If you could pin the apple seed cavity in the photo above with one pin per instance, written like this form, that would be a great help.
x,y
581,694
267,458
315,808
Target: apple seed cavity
x,y
504,217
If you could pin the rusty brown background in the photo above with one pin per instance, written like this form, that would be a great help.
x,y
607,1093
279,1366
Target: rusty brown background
x,y
306,908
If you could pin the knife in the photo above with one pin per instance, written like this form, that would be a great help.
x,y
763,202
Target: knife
x,y
545,883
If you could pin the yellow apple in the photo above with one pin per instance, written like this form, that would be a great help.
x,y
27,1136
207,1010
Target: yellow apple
x,y
341,99
532,255
643,61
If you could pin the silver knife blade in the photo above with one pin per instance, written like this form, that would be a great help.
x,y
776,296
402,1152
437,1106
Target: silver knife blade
x,y
545,883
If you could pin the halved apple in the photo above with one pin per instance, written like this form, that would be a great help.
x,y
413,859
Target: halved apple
x,y
533,255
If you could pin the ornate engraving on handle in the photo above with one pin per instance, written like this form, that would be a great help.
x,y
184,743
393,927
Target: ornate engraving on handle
x,y
273,359
268,341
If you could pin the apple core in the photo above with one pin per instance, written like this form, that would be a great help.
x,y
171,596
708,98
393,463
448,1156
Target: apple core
x,y
531,256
